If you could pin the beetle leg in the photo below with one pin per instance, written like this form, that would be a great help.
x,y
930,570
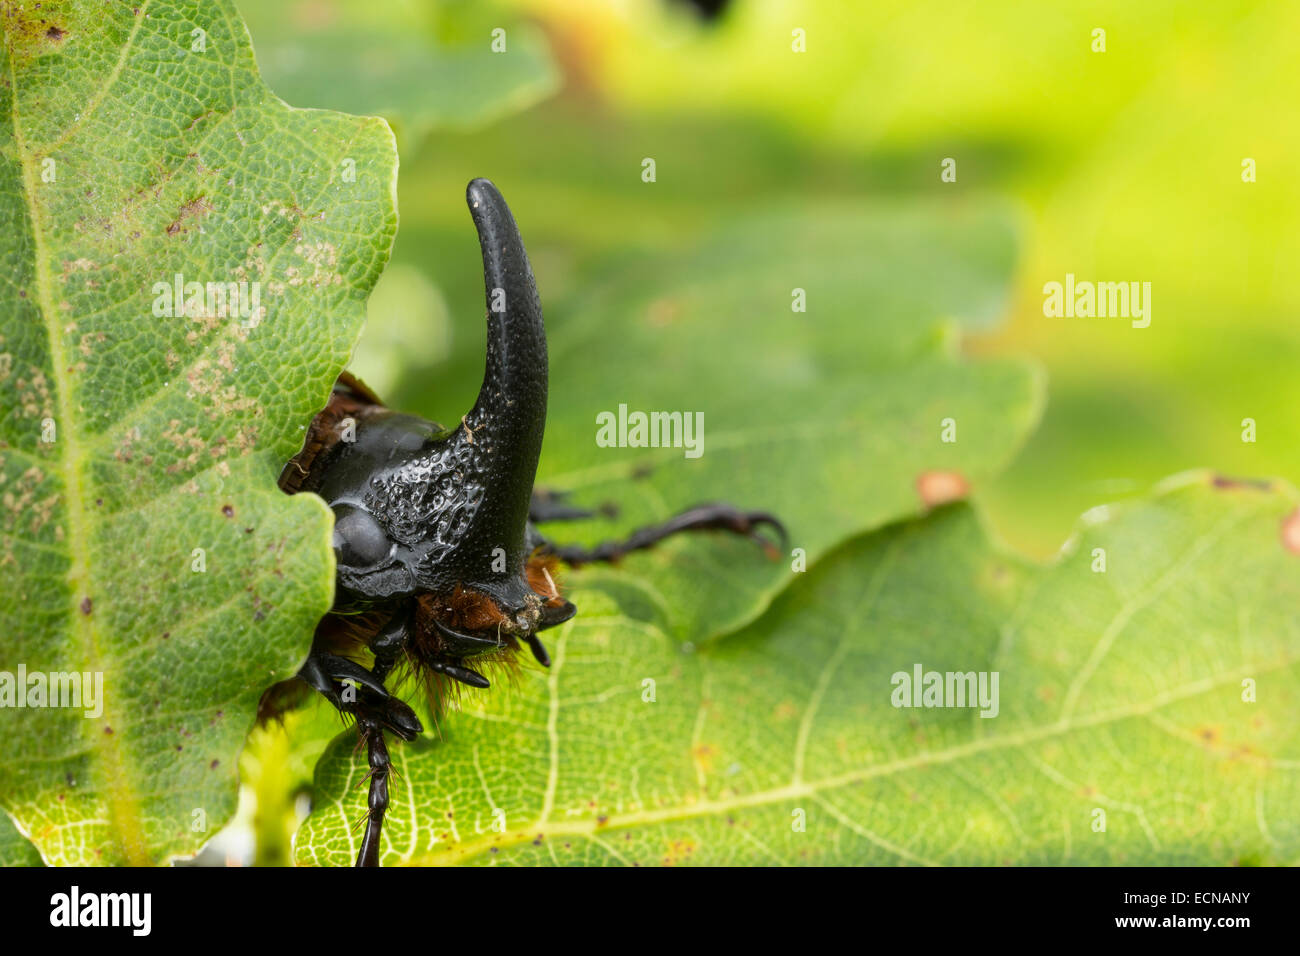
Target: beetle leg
x,y
547,505
389,643
708,517
323,670
376,711
327,672
462,674
372,732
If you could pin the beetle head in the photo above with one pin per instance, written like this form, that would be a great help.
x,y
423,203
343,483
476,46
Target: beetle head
x,y
419,510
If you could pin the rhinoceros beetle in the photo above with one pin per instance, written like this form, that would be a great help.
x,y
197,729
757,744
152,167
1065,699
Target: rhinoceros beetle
x,y
440,564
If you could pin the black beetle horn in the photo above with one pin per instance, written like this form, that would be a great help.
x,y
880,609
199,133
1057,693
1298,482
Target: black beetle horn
x,y
501,436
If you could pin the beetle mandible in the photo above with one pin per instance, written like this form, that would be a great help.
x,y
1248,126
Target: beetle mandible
x,y
439,560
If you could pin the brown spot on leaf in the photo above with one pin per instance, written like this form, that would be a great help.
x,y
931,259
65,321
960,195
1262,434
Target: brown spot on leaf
x,y
940,487
786,710
1291,532
678,851
86,605
228,511
663,312
55,33
193,209
703,755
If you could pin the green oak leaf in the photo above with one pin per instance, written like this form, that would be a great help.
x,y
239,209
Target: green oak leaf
x,y
395,59
14,850
142,534
1120,692
831,418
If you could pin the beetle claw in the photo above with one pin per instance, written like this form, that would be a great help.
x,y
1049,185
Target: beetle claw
x,y
757,519
463,644
553,615
462,674
539,650
322,669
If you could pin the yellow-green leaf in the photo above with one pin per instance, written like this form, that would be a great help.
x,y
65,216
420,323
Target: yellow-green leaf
x,y
1146,714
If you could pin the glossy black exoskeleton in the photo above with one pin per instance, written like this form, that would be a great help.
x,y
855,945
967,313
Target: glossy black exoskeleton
x,y
440,562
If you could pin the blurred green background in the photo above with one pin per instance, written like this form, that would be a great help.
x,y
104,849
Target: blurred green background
x,y
1123,165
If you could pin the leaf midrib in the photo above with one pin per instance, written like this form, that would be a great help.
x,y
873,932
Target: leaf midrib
x,y
123,808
